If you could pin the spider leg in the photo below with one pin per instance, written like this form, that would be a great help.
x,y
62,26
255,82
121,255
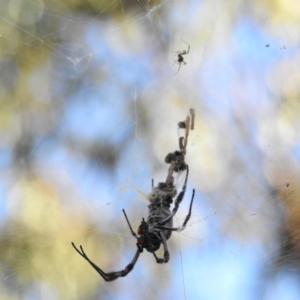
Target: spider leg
x,y
132,232
186,52
178,200
178,68
166,257
82,253
111,275
185,221
158,260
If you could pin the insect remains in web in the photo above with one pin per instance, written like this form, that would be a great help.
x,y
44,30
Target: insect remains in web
x,y
180,58
154,232
176,159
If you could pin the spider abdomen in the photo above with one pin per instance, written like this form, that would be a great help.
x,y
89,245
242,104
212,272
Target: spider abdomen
x,y
158,213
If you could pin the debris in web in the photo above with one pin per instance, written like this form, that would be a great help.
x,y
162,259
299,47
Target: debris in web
x,y
166,191
177,158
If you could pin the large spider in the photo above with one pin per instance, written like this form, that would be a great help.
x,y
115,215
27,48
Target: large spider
x,y
180,58
153,232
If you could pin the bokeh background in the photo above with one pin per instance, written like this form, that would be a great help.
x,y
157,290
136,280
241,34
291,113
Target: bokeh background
x,y
89,105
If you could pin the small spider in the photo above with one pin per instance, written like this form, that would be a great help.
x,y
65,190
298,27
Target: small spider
x,y
180,58
153,232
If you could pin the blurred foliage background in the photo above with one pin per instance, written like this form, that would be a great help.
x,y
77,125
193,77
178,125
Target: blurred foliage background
x,y
89,102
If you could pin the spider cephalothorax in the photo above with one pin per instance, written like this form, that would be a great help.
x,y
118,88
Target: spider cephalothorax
x,y
147,239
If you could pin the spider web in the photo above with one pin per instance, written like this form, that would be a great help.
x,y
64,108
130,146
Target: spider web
x,y
90,101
